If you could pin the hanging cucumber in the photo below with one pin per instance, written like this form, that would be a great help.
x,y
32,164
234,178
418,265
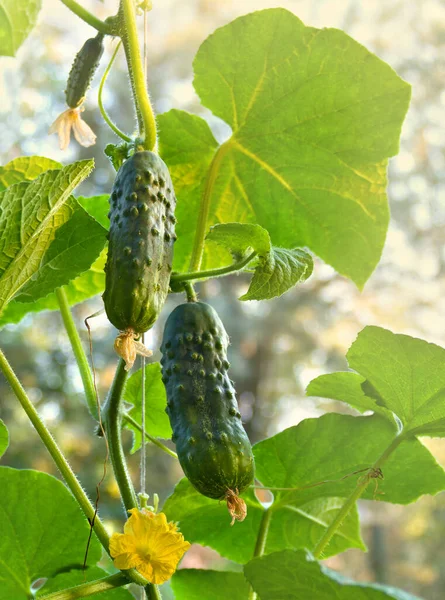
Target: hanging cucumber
x,y
140,251
83,69
212,446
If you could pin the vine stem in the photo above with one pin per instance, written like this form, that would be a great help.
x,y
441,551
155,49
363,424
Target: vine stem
x,y
261,540
103,112
362,484
88,17
144,110
152,439
211,273
201,227
79,352
190,292
90,588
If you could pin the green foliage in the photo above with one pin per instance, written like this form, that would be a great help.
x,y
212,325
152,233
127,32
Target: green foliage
x,y
400,374
34,510
314,116
78,577
4,438
277,269
30,215
117,154
156,420
25,168
197,584
291,575
17,18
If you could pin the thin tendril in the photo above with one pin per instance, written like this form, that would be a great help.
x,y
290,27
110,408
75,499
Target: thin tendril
x,y
107,453
104,113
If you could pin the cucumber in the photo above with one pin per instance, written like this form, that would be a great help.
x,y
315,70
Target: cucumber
x,y
82,71
212,446
141,238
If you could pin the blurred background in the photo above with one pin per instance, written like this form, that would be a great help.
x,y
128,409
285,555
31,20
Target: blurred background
x,y
277,346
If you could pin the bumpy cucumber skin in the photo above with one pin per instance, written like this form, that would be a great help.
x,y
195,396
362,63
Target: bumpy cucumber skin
x,y
141,238
212,446
82,71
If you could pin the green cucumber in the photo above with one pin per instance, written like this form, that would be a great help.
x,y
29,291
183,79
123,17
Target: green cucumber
x,y
82,71
141,238
212,446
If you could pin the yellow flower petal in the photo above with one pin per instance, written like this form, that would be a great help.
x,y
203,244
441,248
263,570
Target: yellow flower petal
x,y
150,544
71,119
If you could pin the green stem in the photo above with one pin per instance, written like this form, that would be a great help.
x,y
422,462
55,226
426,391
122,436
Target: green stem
x,y
90,588
211,273
190,292
113,427
55,451
88,17
362,484
79,352
144,110
201,227
261,540
154,440
104,113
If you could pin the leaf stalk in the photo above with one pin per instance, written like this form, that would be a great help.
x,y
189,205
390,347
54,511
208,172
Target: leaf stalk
x,y
90,588
88,17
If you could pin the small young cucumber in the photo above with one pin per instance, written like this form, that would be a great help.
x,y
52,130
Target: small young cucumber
x,y
212,446
141,238
82,72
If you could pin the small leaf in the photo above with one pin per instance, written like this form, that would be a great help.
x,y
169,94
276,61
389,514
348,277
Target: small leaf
x,y
4,438
198,584
156,419
25,168
297,576
78,576
89,284
17,18
400,374
30,214
76,245
239,237
118,153
279,272
34,509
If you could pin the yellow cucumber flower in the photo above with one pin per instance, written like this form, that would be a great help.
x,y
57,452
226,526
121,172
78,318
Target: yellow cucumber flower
x,y
149,544
71,119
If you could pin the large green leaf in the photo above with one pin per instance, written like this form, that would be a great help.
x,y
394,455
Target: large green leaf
x,y
97,207
43,531
17,18
400,373
197,584
291,575
4,438
76,245
89,284
314,116
156,419
30,214
78,577
25,168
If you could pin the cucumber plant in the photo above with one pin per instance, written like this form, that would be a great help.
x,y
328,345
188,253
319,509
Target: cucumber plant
x,y
314,117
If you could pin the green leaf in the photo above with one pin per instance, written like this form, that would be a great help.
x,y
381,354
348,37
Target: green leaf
x,y
291,575
278,273
400,373
97,207
76,245
188,146
118,153
333,446
30,214
78,576
156,419
4,438
197,584
34,509
25,168
89,284
17,18
238,238
314,117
